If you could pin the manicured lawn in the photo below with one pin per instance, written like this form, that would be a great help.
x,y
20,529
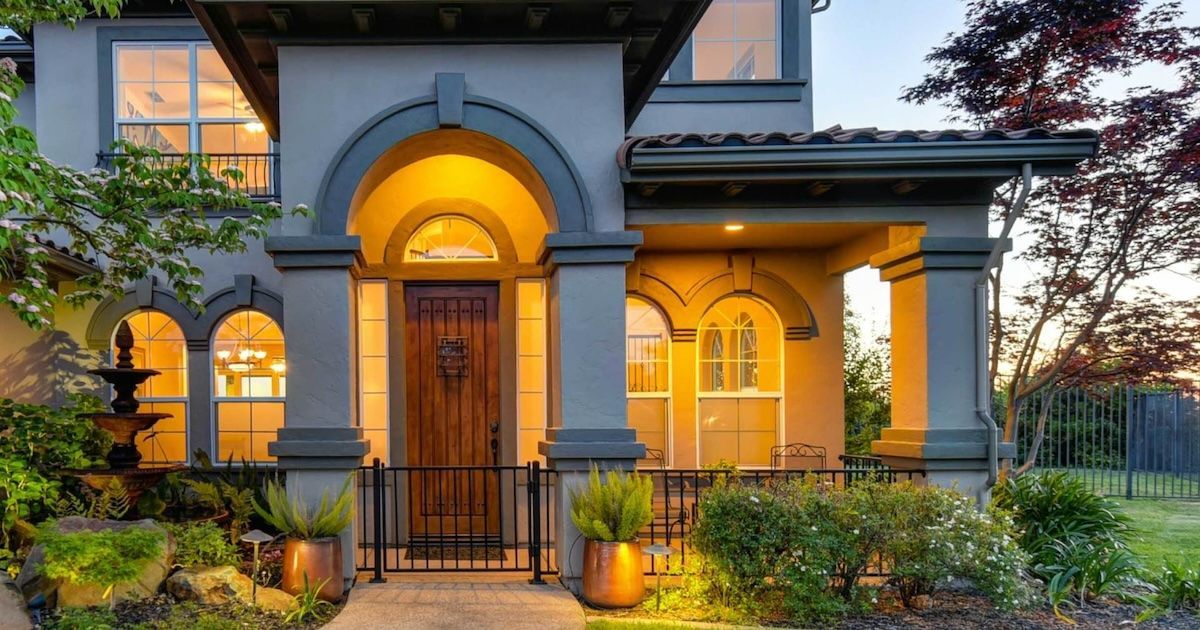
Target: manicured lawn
x,y
1165,529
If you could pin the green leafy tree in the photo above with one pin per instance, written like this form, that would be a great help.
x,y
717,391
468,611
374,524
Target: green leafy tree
x,y
868,383
144,216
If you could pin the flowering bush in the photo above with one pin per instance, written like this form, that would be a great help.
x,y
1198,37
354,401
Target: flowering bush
x,y
800,549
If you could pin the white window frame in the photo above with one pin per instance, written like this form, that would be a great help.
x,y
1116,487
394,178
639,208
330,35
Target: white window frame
x,y
456,217
776,395
149,400
387,359
194,120
667,395
735,40
215,400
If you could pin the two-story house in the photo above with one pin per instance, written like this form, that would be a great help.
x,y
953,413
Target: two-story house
x,y
567,231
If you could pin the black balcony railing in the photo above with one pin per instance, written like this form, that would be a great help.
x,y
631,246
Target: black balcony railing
x,y
261,170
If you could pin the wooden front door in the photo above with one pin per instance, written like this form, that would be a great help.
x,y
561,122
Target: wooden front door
x,y
452,361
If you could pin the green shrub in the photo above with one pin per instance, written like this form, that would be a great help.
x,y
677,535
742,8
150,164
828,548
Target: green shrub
x,y
103,558
1174,587
615,510
83,619
49,439
1053,507
295,519
202,544
1077,540
800,548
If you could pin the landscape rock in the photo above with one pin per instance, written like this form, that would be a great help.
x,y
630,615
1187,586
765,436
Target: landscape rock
x,y
36,587
13,613
220,585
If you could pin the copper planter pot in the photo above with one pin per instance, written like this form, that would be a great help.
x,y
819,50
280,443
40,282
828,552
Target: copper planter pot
x,y
612,574
320,559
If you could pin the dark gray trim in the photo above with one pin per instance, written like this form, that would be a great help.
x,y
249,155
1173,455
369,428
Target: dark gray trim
x,y
562,445
576,248
501,121
319,447
865,160
105,36
933,252
450,88
321,250
228,300
778,90
197,329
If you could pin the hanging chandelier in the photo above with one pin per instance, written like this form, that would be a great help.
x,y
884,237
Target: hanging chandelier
x,y
241,359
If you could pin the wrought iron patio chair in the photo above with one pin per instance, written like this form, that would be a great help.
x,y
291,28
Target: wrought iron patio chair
x,y
666,515
798,456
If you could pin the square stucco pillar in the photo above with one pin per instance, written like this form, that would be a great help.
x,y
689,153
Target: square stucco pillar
x,y
319,445
588,421
934,424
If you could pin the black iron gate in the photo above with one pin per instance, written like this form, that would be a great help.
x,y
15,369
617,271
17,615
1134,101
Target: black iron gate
x,y
456,518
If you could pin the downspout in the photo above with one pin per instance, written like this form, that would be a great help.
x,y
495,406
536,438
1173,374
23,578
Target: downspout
x,y
983,393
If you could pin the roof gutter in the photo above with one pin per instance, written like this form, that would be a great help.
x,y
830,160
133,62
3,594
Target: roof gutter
x,y
983,393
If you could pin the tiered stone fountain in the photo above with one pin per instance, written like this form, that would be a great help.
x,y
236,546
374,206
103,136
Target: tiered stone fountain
x,y
124,423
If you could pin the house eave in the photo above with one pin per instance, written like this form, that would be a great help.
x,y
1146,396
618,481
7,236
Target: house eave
x,y
850,161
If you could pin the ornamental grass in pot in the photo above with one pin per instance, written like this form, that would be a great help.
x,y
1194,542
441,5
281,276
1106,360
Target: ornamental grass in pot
x,y
312,551
609,515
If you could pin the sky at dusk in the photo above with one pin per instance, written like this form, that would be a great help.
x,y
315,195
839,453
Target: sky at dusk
x,y
864,53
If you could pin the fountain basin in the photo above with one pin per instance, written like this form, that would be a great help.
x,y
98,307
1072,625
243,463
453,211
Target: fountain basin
x,y
136,481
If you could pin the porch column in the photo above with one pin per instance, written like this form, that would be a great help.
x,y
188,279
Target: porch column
x,y
934,426
319,444
588,422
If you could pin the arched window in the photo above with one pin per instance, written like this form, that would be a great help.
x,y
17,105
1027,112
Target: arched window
x,y
249,384
740,391
648,375
450,238
158,344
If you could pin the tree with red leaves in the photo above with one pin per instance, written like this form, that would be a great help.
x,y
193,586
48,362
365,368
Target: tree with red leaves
x,y
1097,240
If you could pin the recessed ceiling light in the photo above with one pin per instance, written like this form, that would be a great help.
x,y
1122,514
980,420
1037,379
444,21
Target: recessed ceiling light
x,y
734,227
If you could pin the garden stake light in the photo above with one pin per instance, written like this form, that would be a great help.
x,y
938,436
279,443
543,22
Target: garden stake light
x,y
255,537
655,552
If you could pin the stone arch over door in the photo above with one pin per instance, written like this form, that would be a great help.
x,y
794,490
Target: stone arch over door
x,y
357,164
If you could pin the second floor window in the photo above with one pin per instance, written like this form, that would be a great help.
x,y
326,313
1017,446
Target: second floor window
x,y
737,40
179,97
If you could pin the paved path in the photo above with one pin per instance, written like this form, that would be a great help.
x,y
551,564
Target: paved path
x,y
471,602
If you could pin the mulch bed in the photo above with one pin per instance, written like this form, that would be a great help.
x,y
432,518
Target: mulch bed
x,y
165,610
952,611
962,611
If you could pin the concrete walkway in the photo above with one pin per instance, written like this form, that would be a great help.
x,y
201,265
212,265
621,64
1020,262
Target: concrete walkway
x,y
459,602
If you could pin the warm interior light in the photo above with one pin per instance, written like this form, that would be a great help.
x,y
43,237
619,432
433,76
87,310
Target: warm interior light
x,y
734,227
255,126
223,354
278,365
238,366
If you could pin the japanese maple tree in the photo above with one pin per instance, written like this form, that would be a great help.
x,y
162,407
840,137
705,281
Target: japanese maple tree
x,y
1097,240
142,216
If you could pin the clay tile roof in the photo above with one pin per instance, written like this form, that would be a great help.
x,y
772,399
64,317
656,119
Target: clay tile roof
x,y
836,135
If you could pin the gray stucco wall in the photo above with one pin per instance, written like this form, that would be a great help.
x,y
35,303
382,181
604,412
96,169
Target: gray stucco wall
x,y
27,108
68,124
573,91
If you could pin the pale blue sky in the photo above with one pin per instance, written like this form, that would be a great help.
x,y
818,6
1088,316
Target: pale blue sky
x,y
864,53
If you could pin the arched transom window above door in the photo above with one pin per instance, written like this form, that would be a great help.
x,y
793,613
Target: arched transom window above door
x,y
450,238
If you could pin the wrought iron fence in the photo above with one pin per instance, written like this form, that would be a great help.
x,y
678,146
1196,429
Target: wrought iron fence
x,y
677,497
1121,441
260,170
456,518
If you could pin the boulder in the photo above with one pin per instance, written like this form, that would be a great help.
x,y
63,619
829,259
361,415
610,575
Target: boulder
x,y
13,613
219,585
35,587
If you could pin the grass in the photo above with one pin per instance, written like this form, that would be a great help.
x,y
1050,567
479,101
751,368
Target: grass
x,y
1112,482
1165,530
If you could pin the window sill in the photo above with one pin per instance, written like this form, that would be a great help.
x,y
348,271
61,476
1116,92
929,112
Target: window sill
x,y
766,90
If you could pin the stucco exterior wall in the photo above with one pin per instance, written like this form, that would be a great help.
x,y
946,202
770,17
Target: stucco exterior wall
x,y
26,105
43,367
573,91
812,408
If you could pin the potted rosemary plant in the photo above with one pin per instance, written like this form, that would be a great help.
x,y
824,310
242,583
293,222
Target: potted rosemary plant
x,y
312,551
609,514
